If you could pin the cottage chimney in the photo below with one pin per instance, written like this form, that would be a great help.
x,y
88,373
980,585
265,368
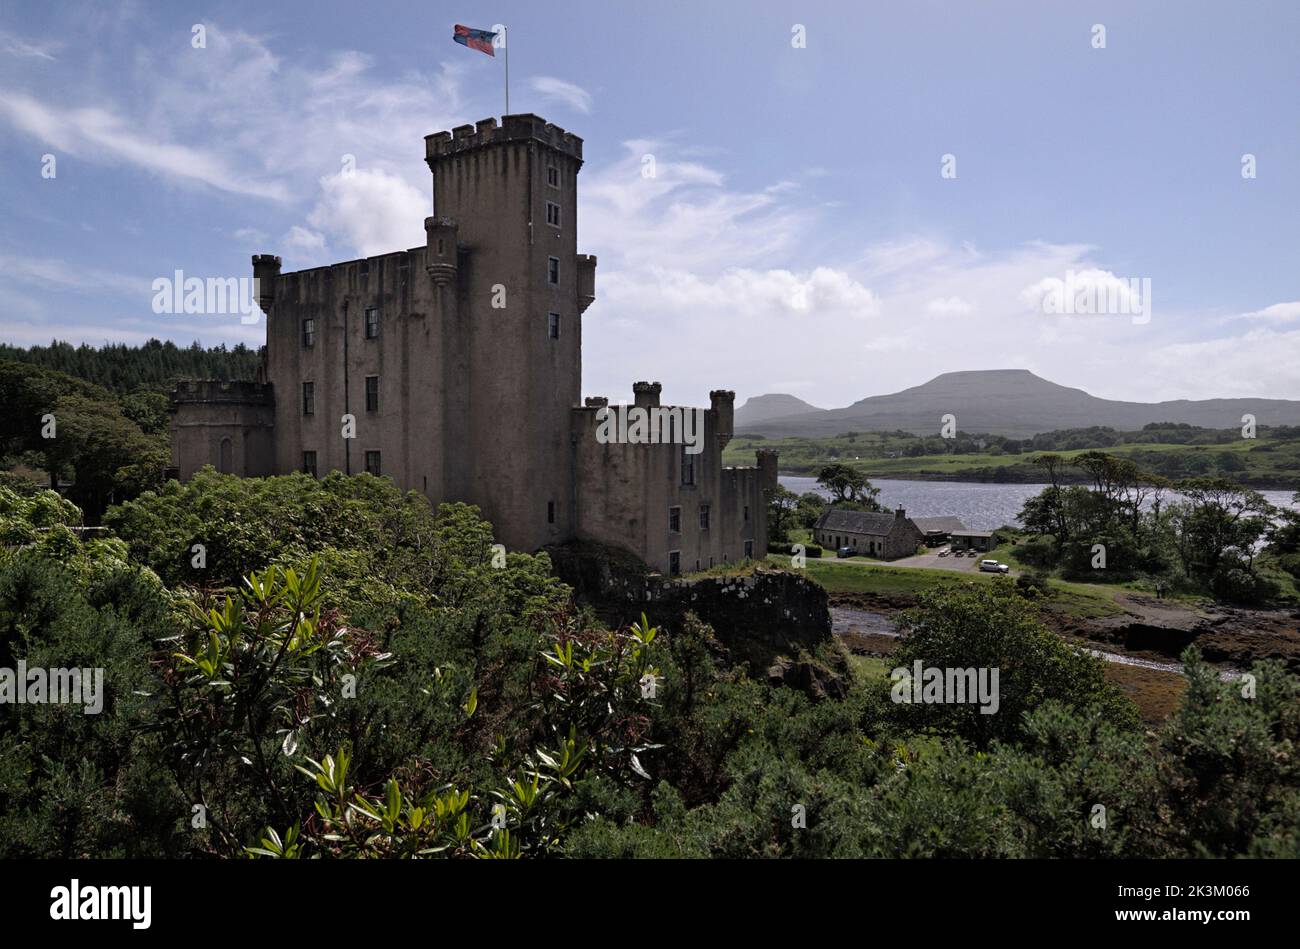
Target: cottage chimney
x,y
899,514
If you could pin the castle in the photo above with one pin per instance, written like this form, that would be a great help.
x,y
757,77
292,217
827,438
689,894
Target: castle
x,y
458,365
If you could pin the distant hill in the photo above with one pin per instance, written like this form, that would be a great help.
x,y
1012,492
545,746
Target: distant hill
x,y
1012,402
763,407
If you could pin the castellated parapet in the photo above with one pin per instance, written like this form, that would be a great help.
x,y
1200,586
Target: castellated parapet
x,y
523,127
459,363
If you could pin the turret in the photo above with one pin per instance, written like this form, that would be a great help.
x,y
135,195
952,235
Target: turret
x,y
767,470
440,255
586,281
646,394
723,403
266,271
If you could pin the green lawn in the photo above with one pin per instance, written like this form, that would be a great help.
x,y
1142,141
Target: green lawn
x,y
1087,600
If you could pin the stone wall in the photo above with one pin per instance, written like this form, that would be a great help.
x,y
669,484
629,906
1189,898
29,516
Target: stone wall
x,y
759,616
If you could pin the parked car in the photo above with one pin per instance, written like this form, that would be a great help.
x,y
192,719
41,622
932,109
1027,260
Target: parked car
x,y
992,566
944,552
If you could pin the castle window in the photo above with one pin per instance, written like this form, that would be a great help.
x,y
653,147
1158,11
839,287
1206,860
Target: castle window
x,y
553,176
688,467
550,512
309,332
674,562
372,463
553,271
747,513
552,214
309,463
372,393
372,322
749,550
704,517
226,457
675,520
309,398
553,325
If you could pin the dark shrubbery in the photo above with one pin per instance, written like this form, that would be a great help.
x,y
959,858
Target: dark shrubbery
x,y
394,693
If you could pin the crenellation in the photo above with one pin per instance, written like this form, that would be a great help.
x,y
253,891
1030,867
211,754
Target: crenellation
x,y
465,400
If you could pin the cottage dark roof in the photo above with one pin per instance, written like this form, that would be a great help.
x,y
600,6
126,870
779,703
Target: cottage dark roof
x,y
944,525
856,522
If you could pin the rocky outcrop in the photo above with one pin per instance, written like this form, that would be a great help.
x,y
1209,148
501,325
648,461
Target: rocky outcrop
x,y
759,614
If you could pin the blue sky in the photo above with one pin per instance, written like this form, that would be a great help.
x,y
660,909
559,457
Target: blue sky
x,y
797,235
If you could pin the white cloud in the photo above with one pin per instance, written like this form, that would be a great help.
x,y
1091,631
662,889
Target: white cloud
x,y
16,46
303,240
949,306
1259,363
1087,292
236,118
98,133
370,211
558,90
1277,313
51,273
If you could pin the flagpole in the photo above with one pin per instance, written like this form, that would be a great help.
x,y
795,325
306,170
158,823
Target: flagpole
x,y
505,41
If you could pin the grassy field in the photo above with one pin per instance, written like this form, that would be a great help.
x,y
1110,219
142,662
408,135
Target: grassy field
x,y
1091,601
1262,462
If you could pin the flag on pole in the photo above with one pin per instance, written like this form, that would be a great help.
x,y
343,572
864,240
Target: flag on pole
x,y
480,40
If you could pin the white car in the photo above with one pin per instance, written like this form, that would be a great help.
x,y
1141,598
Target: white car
x,y
992,566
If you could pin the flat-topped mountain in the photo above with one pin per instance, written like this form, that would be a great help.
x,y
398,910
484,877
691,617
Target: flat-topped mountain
x,y
763,407
1012,402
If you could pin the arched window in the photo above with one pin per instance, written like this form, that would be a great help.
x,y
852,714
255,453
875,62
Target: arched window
x,y
226,457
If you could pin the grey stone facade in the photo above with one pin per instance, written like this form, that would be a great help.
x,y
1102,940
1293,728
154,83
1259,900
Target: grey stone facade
x,y
888,536
461,363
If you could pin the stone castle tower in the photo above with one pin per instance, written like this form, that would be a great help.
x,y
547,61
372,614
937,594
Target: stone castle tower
x,y
460,363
